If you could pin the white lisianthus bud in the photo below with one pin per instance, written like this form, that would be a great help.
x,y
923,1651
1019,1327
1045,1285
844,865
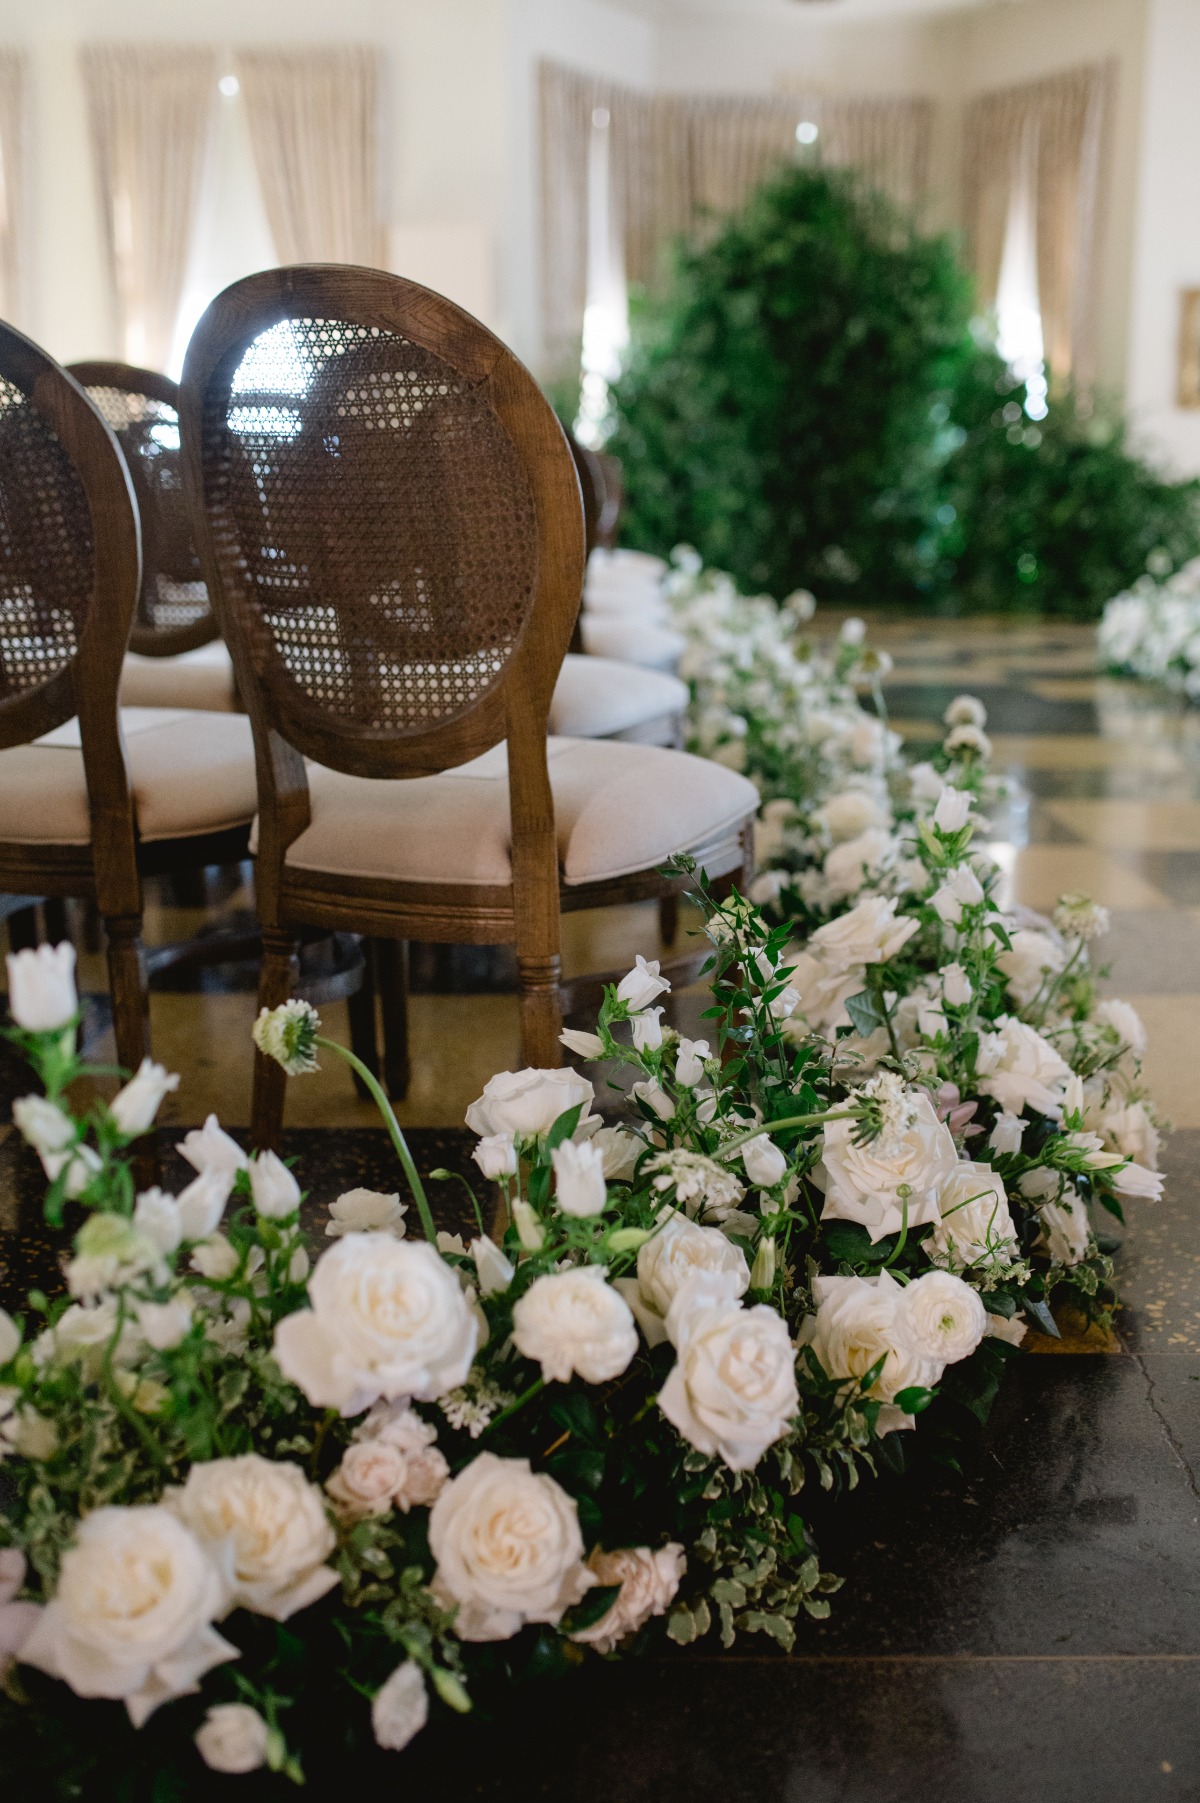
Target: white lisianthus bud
x,y
233,1738
164,1325
134,1107
762,1271
1074,1100
1006,1135
579,1185
366,1211
956,986
496,1155
530,1231
42,1124
655,1097
764,1163
41,988
642,985
275,1191
10,1338
689,1062
953,810
288,1035
156,1215
584,1045
401,1708
647,1030
495,1271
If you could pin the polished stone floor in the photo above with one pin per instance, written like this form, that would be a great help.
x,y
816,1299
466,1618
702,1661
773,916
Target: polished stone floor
x,y
1030,1629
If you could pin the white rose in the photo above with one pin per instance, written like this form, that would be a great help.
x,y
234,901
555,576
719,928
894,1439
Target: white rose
x,y
132,1616
953,810
275,1191
868,934
366,1211
976,1227
1130,1131
398,1469
1033,956
689,1061
10,1337
849,813
862,1182
41,987
1066,1231
856,1324
680,1250
526,1103
156,1216
642,986
960,889
649,1582
732,1389
943,1317
1021,1069
823,989
265,1517
42,1124
496,1155
388,1318
400,1707
134,1107
579,1186
508,1548
202,1203
1126,1023
233,1738
764,1163
647,1030
574,1323
848,866
620,1152
210,1148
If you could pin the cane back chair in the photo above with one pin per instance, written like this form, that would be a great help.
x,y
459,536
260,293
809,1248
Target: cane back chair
x,y
92,798
391,530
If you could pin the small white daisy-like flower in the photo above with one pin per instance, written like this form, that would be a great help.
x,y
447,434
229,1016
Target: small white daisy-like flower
x,y
288,1034
968,741
1079,917
699,1182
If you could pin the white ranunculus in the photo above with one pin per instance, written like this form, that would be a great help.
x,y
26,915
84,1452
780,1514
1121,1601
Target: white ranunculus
x,y
863,1182
649,1582
233,1739
132,1616
956,986
202,1203
856,1324
732,1389
379,1474
41,987
584,1045
210,1148
1130,1131
508,1548
764,1163
526,1103
1021,1069
960,889
1066,1231
647,1030
849,813
134,1107
1033,957
953,810
400,1708
10,1337
388,1318
976,1227
1007,1133
868,934
678,1251
620,1152
164,1325
496,1156
943,1317
642,985
1126,1023
574,1323
579,1186
269,1522
156,1216
43,1124
275,1192
366,1211
689,1061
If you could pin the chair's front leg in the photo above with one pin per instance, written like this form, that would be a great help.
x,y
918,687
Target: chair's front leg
x,y
541,1010
278,977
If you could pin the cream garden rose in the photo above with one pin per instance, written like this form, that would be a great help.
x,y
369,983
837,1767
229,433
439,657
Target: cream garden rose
x,y
526,1103
678,1251
269,1521
649,1583
857,1323
863,1183
233,1738
574,1323
508,1549
975,1225
1021,1069
394,1462
388,1318
732,1389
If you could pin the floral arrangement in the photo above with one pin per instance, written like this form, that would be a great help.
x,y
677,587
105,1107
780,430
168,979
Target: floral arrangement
x,y
1152,630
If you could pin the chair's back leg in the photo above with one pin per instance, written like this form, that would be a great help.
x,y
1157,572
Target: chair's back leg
x,y
391,962
127,984
278,976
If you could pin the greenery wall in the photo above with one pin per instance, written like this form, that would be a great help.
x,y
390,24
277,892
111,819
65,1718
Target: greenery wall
x,y
809,406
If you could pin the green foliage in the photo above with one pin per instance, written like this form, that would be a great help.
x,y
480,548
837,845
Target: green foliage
x,y
807,405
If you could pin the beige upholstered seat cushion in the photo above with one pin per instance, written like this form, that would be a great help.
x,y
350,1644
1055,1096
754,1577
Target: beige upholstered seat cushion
x,y
191,773
202,678
630,640
619,809
595,697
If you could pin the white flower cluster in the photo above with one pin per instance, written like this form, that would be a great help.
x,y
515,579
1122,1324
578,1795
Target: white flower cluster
x,y
1152,630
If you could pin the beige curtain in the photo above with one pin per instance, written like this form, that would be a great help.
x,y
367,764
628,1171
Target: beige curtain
x,y
314,123
150,110
1053,135
12,177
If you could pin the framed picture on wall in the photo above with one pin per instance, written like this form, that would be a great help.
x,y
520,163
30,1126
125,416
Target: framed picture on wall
x,y
1189,348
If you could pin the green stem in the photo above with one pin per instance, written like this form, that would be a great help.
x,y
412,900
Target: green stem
x,y
792,1120
903,1233
393,1127
507,1414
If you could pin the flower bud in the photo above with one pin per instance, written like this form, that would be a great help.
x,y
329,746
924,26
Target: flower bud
x,y
529,1229
580,1189
495,1271
496,1155
41,988
762,1271
584,1045
134,1107
275,1191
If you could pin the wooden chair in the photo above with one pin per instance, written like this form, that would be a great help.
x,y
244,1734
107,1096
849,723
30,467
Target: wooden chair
x,y
91,798
391,530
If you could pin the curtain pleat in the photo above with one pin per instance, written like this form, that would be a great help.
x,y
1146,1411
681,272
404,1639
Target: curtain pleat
x,y
150,110
314,121
12,181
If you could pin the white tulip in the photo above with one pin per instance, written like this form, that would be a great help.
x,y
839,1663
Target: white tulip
x,y
642,985
1006,1135
41,988
496,1155
233,1738
400,1708
655,1097
956,986
134,1107
764,1163
494,1270
960,889
530,1231
579,1186
647,1030
275,1191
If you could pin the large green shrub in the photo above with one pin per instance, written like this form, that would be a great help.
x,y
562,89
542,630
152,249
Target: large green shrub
x,y
807,405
